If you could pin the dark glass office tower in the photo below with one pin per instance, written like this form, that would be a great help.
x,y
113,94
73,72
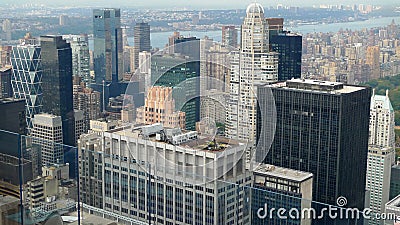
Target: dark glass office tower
x,y
188,46
182,75
289,47
108,46
57,82
322,128
141,40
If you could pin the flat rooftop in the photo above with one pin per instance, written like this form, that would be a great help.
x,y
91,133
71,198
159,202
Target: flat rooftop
x,y
316,85
280,172
202,142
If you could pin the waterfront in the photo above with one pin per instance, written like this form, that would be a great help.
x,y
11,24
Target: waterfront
x,y
160,39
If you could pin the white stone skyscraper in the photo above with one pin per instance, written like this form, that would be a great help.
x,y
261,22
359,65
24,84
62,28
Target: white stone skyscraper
x,y
381,154
254,64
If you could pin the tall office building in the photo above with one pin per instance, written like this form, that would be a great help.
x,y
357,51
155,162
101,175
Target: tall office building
x,y
27,72
108,46
159,107
13,115
5,82
230,36
80,56
289,47
57,82
254,64
141,40
47,132
182,75
315,124
164,176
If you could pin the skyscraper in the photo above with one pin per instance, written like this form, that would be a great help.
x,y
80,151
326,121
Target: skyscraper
x,y
229,36
381,153
141,40
315,132
47,131
289,47
108,46
57,82
159,107
252,65
137,182
27,77
181,74
80,56
5,82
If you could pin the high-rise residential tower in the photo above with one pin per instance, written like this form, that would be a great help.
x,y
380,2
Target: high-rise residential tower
x,y
381,153
254,64
315,132
108,46
57,82
26,81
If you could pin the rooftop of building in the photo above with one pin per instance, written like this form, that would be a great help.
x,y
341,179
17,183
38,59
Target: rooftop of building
x,y
6,199
395,202
381,98
317,85
284,173
10,100
255,8
5,69
176,136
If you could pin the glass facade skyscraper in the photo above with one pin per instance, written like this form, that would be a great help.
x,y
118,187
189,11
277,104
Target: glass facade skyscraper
x,y
141,40
182,76
57,82
108,46
322,128
27,78
289,47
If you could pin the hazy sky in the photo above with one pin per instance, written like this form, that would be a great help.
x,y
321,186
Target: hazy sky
x,y
229,4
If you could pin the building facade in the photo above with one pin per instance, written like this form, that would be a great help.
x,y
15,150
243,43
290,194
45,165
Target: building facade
x,y
57,82
315,123
255,63
80,56
159,107
26,81
277,187
381,153
141,40
48,133
5,82
108,46
135,180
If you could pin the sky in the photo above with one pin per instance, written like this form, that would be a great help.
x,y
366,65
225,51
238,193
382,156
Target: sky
x,y
193,4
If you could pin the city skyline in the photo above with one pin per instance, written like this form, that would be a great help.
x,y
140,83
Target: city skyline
x,y
207,4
